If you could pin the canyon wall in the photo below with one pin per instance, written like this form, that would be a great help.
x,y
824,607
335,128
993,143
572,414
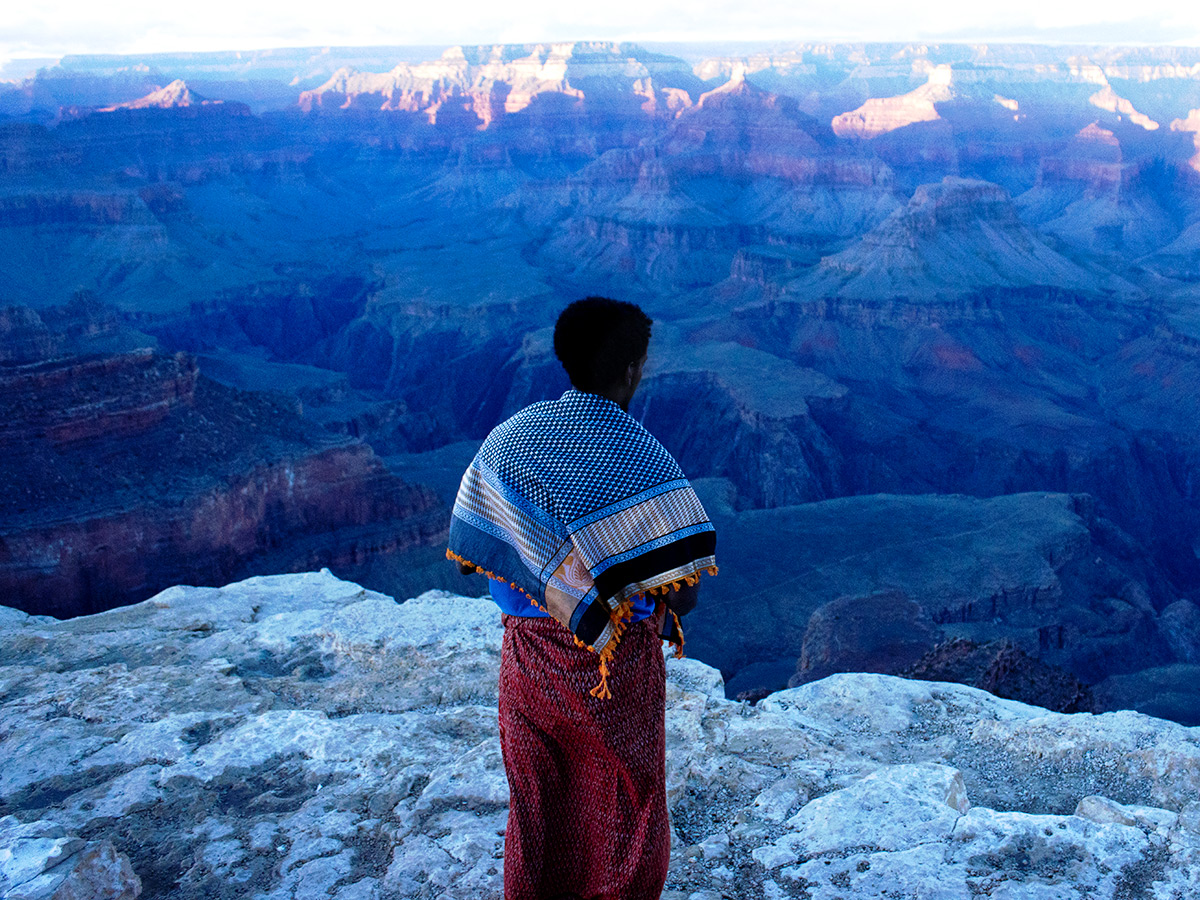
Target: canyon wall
x,y
133,471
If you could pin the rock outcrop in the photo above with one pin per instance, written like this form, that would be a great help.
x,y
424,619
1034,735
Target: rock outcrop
x,y
488,83
296,735
176,95
1190,124
1106,98
880,632
880,115
1000,668
886,632
40,861
131,472
952,238
79,328
1038,570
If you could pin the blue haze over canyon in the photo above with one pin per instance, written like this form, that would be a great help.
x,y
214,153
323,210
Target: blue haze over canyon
x,y
927,333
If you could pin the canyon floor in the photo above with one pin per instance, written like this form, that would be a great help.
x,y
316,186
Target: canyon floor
x,y
298,736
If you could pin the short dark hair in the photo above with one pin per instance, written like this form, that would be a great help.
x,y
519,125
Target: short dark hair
x,y
596,339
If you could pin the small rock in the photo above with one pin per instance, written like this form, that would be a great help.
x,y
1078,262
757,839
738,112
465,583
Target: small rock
x,y
779,801
748,832
29,850
715,846
773,856
894,808
1189,818
96,872
1104,811
693,675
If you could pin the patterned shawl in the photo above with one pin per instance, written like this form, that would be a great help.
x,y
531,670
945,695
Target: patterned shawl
x,y
575,504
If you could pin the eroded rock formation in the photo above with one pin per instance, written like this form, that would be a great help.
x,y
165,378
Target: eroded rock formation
x,y
880,115
1038,570
999,668
488,83
176,95
130,472
881,632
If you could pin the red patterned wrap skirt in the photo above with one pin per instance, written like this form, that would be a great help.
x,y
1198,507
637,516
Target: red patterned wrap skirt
x,y
588,805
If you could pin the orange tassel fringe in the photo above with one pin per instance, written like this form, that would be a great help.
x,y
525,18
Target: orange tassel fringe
x,y
454,557
678,628
619,617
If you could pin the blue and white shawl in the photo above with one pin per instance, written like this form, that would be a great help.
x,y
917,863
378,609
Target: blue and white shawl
x,y
575,504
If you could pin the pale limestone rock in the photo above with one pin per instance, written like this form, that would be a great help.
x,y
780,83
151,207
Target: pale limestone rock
x,y
474,780
367,889
694,676
992,854
299,737
29,850
136,790
919,871
10,617
896,808
715,846
40,861
1104,811
780,800
1189,820
1063,851
416,862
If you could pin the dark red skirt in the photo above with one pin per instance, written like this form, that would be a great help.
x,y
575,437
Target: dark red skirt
x,y
588,809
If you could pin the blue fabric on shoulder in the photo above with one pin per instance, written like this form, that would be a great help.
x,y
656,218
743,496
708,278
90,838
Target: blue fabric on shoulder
x,y
578,506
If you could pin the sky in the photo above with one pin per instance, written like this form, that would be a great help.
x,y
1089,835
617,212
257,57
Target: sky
x,y
52,28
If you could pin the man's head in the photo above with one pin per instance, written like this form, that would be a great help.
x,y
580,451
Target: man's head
x,y
601,343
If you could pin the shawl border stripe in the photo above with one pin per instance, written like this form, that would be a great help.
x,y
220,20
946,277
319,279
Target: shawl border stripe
x,y
580,476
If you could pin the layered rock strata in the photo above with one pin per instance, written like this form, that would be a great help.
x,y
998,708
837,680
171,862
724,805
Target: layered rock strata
x,y
880,115
296,736
488,83
131,472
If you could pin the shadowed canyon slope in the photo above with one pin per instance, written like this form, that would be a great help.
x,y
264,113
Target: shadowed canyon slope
x,y
131,470
902,292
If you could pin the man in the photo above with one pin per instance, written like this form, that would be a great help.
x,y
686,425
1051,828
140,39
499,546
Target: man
x,y
595,542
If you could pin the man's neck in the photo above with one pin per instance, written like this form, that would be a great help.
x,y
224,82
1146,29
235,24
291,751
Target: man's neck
x,y
619,394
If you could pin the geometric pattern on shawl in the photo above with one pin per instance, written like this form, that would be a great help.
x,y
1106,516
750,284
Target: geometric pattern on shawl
x,y
574,503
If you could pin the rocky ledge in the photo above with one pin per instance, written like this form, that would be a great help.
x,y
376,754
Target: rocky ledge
x,y
298,736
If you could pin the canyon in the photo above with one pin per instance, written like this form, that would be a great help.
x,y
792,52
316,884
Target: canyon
x,y
130,470
925,326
